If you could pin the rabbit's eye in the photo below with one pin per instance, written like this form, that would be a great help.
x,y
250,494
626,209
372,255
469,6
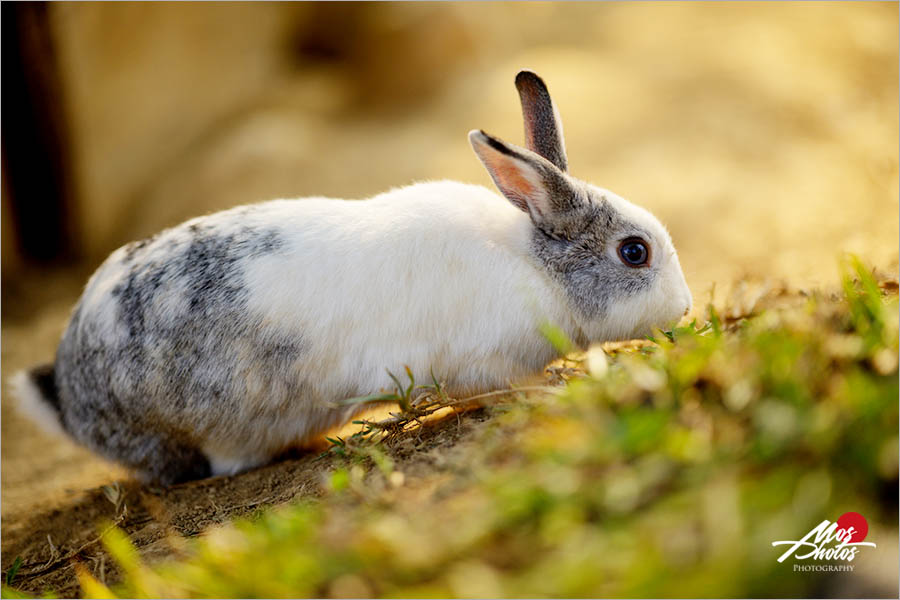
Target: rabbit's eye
x,y
634,252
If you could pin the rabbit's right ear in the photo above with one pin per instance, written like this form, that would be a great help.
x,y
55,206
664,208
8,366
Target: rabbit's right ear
x,y
528,181
543,126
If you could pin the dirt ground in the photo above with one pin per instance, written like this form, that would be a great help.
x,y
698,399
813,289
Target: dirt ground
x,y
767,143
52,537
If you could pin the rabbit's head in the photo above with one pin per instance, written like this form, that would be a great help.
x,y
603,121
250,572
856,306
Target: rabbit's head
x,y
615,260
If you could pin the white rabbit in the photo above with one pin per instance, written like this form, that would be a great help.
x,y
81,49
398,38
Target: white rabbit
x,y
216,345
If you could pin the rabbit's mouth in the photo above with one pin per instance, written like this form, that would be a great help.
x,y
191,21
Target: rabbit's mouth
x,y
628,322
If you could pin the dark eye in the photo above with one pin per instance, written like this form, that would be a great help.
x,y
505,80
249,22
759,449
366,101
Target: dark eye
x,y
634,252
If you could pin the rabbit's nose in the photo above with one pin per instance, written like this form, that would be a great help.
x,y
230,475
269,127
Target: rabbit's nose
x,y
687,310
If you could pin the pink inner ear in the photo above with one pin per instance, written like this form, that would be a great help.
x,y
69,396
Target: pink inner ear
x,y
510,177
516,187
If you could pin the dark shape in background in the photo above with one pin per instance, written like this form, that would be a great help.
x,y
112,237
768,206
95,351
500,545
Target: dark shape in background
x,y
36,171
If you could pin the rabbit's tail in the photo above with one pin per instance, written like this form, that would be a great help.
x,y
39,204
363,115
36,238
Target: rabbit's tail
x,y
38,397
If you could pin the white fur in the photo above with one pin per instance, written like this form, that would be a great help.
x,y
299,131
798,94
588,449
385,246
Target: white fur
x,y
477,289
226,465
435,276
33,405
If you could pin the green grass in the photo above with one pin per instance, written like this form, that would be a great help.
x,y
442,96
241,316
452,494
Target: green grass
x,y
667,471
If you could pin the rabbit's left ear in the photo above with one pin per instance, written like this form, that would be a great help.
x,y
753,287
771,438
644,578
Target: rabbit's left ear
x,y
530,182
543,127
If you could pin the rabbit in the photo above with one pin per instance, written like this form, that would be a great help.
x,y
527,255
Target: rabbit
x,y
216,345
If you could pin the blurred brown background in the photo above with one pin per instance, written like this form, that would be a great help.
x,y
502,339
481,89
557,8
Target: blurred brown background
x,y
765,135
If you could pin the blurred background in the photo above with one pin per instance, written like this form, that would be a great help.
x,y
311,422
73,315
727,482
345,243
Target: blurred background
x,y
765,135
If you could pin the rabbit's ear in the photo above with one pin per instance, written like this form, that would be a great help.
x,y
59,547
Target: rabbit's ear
x,y
527,180
543,127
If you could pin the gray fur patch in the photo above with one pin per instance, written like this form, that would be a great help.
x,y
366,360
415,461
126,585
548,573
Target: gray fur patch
x,y
180,365
573,247
134,247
